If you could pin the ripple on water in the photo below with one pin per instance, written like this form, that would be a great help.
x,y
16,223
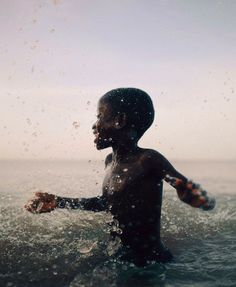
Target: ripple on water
x,y
72,248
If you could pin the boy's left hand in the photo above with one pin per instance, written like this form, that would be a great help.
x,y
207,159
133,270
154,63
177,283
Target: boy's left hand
x,y
191,193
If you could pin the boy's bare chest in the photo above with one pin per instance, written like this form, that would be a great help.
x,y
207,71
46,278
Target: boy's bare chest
x,y
120,177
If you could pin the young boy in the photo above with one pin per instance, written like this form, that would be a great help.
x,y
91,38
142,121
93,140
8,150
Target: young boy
x,y
132,187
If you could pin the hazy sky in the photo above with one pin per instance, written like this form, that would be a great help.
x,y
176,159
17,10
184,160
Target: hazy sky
x,y
58,57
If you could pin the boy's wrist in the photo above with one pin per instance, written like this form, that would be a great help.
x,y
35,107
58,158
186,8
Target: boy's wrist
x,y
58,201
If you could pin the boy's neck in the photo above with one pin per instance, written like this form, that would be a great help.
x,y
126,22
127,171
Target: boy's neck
x,y
123,150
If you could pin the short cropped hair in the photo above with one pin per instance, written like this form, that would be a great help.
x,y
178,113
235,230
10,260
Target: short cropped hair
x,y
135,104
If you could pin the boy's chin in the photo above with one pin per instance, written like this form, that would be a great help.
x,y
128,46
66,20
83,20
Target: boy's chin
x,y
102,145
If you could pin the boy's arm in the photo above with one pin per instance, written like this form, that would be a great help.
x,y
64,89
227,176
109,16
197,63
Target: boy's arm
x,y
98,203
187,190
45,202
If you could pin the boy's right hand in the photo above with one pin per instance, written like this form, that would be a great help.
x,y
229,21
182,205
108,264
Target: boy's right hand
x,y
41,202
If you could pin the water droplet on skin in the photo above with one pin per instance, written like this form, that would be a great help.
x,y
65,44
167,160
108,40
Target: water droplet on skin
x,y
124,267
119,231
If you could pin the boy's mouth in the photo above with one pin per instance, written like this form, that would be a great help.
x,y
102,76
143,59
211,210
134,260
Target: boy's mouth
x,y
96,137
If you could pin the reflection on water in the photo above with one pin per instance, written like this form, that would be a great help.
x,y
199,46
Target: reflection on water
x,y
72,248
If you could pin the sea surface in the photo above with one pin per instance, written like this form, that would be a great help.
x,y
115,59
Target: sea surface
x,y
72,247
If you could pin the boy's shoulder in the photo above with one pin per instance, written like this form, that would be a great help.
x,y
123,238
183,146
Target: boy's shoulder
x,y
151,156
148,158
152,162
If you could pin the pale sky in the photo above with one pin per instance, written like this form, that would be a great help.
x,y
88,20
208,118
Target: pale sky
x,y
58,57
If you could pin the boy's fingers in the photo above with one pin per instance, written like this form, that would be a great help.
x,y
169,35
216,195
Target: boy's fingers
x,y
39,206
29,208
38,193
44,196
210,204
32,205
41,194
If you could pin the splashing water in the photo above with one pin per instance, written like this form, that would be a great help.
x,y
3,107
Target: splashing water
x,y
73,248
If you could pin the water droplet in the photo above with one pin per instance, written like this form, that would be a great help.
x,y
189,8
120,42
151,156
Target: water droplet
x,y
28,121
124,267
87,248
56,2
76,125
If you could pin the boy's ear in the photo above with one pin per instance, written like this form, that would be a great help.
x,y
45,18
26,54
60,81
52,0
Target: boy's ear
x,y
120,121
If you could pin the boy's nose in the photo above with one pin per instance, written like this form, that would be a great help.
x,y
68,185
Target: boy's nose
x,y
94,126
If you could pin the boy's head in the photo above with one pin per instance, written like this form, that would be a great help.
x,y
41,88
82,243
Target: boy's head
x,y
122,113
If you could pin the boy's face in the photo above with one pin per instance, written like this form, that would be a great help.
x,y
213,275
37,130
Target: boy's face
x,y
104,128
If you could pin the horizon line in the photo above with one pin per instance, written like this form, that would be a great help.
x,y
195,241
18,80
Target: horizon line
x,y
97,159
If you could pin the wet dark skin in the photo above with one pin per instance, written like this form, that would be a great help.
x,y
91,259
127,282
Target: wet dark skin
x,y
132,189
132,184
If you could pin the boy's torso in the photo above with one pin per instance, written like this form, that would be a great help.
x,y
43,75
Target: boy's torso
x,y
134,194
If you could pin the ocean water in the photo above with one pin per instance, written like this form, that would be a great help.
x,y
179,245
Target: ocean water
x,y
72,247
